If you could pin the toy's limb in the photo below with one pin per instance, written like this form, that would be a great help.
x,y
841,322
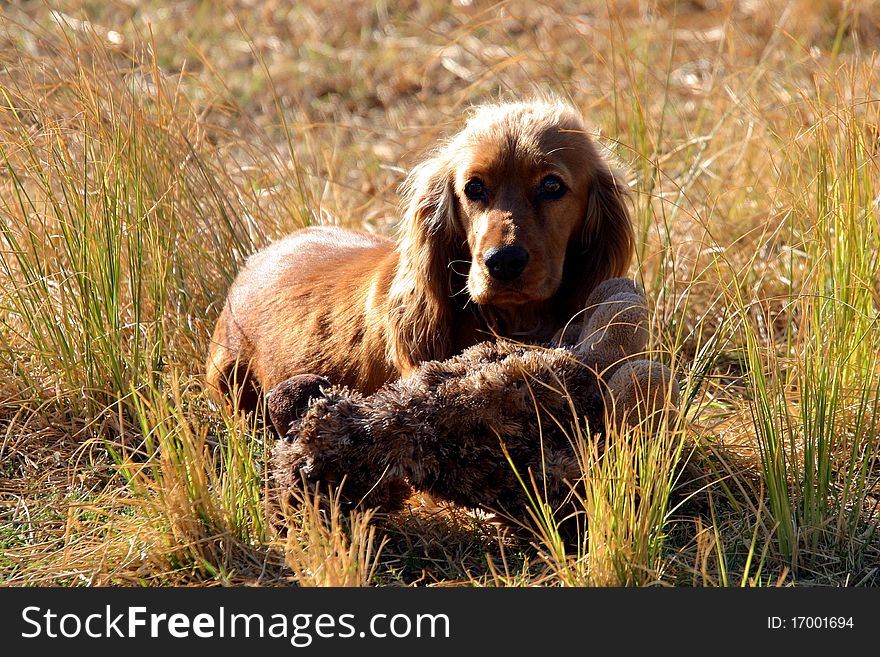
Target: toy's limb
x,y
618,328
614,341
642,390
607,289
289,399
570,334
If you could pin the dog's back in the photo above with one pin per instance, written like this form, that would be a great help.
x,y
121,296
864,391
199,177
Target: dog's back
x,y
283,301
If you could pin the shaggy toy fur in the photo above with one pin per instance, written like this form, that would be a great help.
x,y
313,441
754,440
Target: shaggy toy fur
x,y
454,427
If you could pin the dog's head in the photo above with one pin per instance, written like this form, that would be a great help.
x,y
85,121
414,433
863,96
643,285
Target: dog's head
x,y
518,208
532,195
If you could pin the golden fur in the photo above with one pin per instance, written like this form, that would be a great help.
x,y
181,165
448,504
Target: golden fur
x,y
361,309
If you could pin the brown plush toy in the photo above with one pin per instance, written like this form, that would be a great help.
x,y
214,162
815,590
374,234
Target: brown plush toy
x,y
479,428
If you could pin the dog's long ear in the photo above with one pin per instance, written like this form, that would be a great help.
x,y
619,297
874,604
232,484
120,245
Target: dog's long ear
x,y
605,247
430,240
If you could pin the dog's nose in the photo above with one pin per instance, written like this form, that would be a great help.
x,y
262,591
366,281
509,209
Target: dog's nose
x,y
506,263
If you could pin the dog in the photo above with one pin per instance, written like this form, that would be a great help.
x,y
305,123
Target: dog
x,y
506,229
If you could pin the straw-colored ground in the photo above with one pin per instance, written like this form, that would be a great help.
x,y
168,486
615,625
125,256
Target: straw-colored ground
x,y
147,148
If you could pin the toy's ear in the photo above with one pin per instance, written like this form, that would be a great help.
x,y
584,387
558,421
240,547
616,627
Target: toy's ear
x,y
290,399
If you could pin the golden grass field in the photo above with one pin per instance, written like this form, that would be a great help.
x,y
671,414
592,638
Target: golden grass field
x,y
146,148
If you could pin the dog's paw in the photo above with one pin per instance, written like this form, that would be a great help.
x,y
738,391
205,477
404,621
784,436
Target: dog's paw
x,y
290,399
568,335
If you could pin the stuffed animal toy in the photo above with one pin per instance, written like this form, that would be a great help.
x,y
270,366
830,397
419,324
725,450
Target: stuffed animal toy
x,y
484,429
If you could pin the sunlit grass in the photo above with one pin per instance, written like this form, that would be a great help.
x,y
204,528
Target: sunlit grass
x,y
144,155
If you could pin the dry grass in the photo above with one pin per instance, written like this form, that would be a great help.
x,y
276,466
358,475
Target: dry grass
x,y
146,148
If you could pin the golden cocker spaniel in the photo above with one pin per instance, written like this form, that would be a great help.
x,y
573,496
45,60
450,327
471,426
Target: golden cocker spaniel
x,y
506,230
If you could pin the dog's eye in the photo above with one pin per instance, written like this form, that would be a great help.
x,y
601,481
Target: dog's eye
x,y
475,190
551,188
